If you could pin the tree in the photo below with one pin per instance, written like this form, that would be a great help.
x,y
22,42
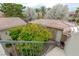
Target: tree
x,y
41,12
15,31
74,16
38,13
77,15
12,9
31,32
30,14
58,11
34,32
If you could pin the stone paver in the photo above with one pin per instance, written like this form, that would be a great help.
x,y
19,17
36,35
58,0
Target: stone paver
x,y
56,52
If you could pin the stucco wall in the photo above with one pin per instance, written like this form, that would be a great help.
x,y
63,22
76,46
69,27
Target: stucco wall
x,y
4,35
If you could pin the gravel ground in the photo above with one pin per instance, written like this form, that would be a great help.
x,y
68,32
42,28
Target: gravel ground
x,y
2,51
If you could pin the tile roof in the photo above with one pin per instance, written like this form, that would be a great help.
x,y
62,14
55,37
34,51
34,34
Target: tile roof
x,y
58,24
9,22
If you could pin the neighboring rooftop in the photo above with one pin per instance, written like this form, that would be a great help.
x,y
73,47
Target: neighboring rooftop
x,y
57,24
9,22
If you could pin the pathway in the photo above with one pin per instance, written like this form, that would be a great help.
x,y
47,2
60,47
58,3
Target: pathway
x,y
56,52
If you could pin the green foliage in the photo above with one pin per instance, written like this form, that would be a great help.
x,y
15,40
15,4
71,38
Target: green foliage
x,y
41,12
14,32
31,32
34,32
12,9
30,49
77,22
8,45
76,16
38,13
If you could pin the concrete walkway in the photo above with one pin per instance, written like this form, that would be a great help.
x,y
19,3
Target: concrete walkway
x,y
2,51
56,52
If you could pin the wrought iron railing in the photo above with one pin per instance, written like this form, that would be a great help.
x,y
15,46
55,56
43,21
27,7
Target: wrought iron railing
x,y
26,48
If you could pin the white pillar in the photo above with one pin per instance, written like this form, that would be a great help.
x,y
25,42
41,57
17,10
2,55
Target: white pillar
x,y
58,37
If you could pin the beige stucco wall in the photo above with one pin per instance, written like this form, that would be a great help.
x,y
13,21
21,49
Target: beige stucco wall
x,y
72,45
4,35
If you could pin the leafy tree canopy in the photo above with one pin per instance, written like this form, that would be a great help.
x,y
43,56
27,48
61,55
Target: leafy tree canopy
x,y
12,9
58,11
30,14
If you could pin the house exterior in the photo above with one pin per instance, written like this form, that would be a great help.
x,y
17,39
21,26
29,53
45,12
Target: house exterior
x,y
62,28
62,33
6,23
